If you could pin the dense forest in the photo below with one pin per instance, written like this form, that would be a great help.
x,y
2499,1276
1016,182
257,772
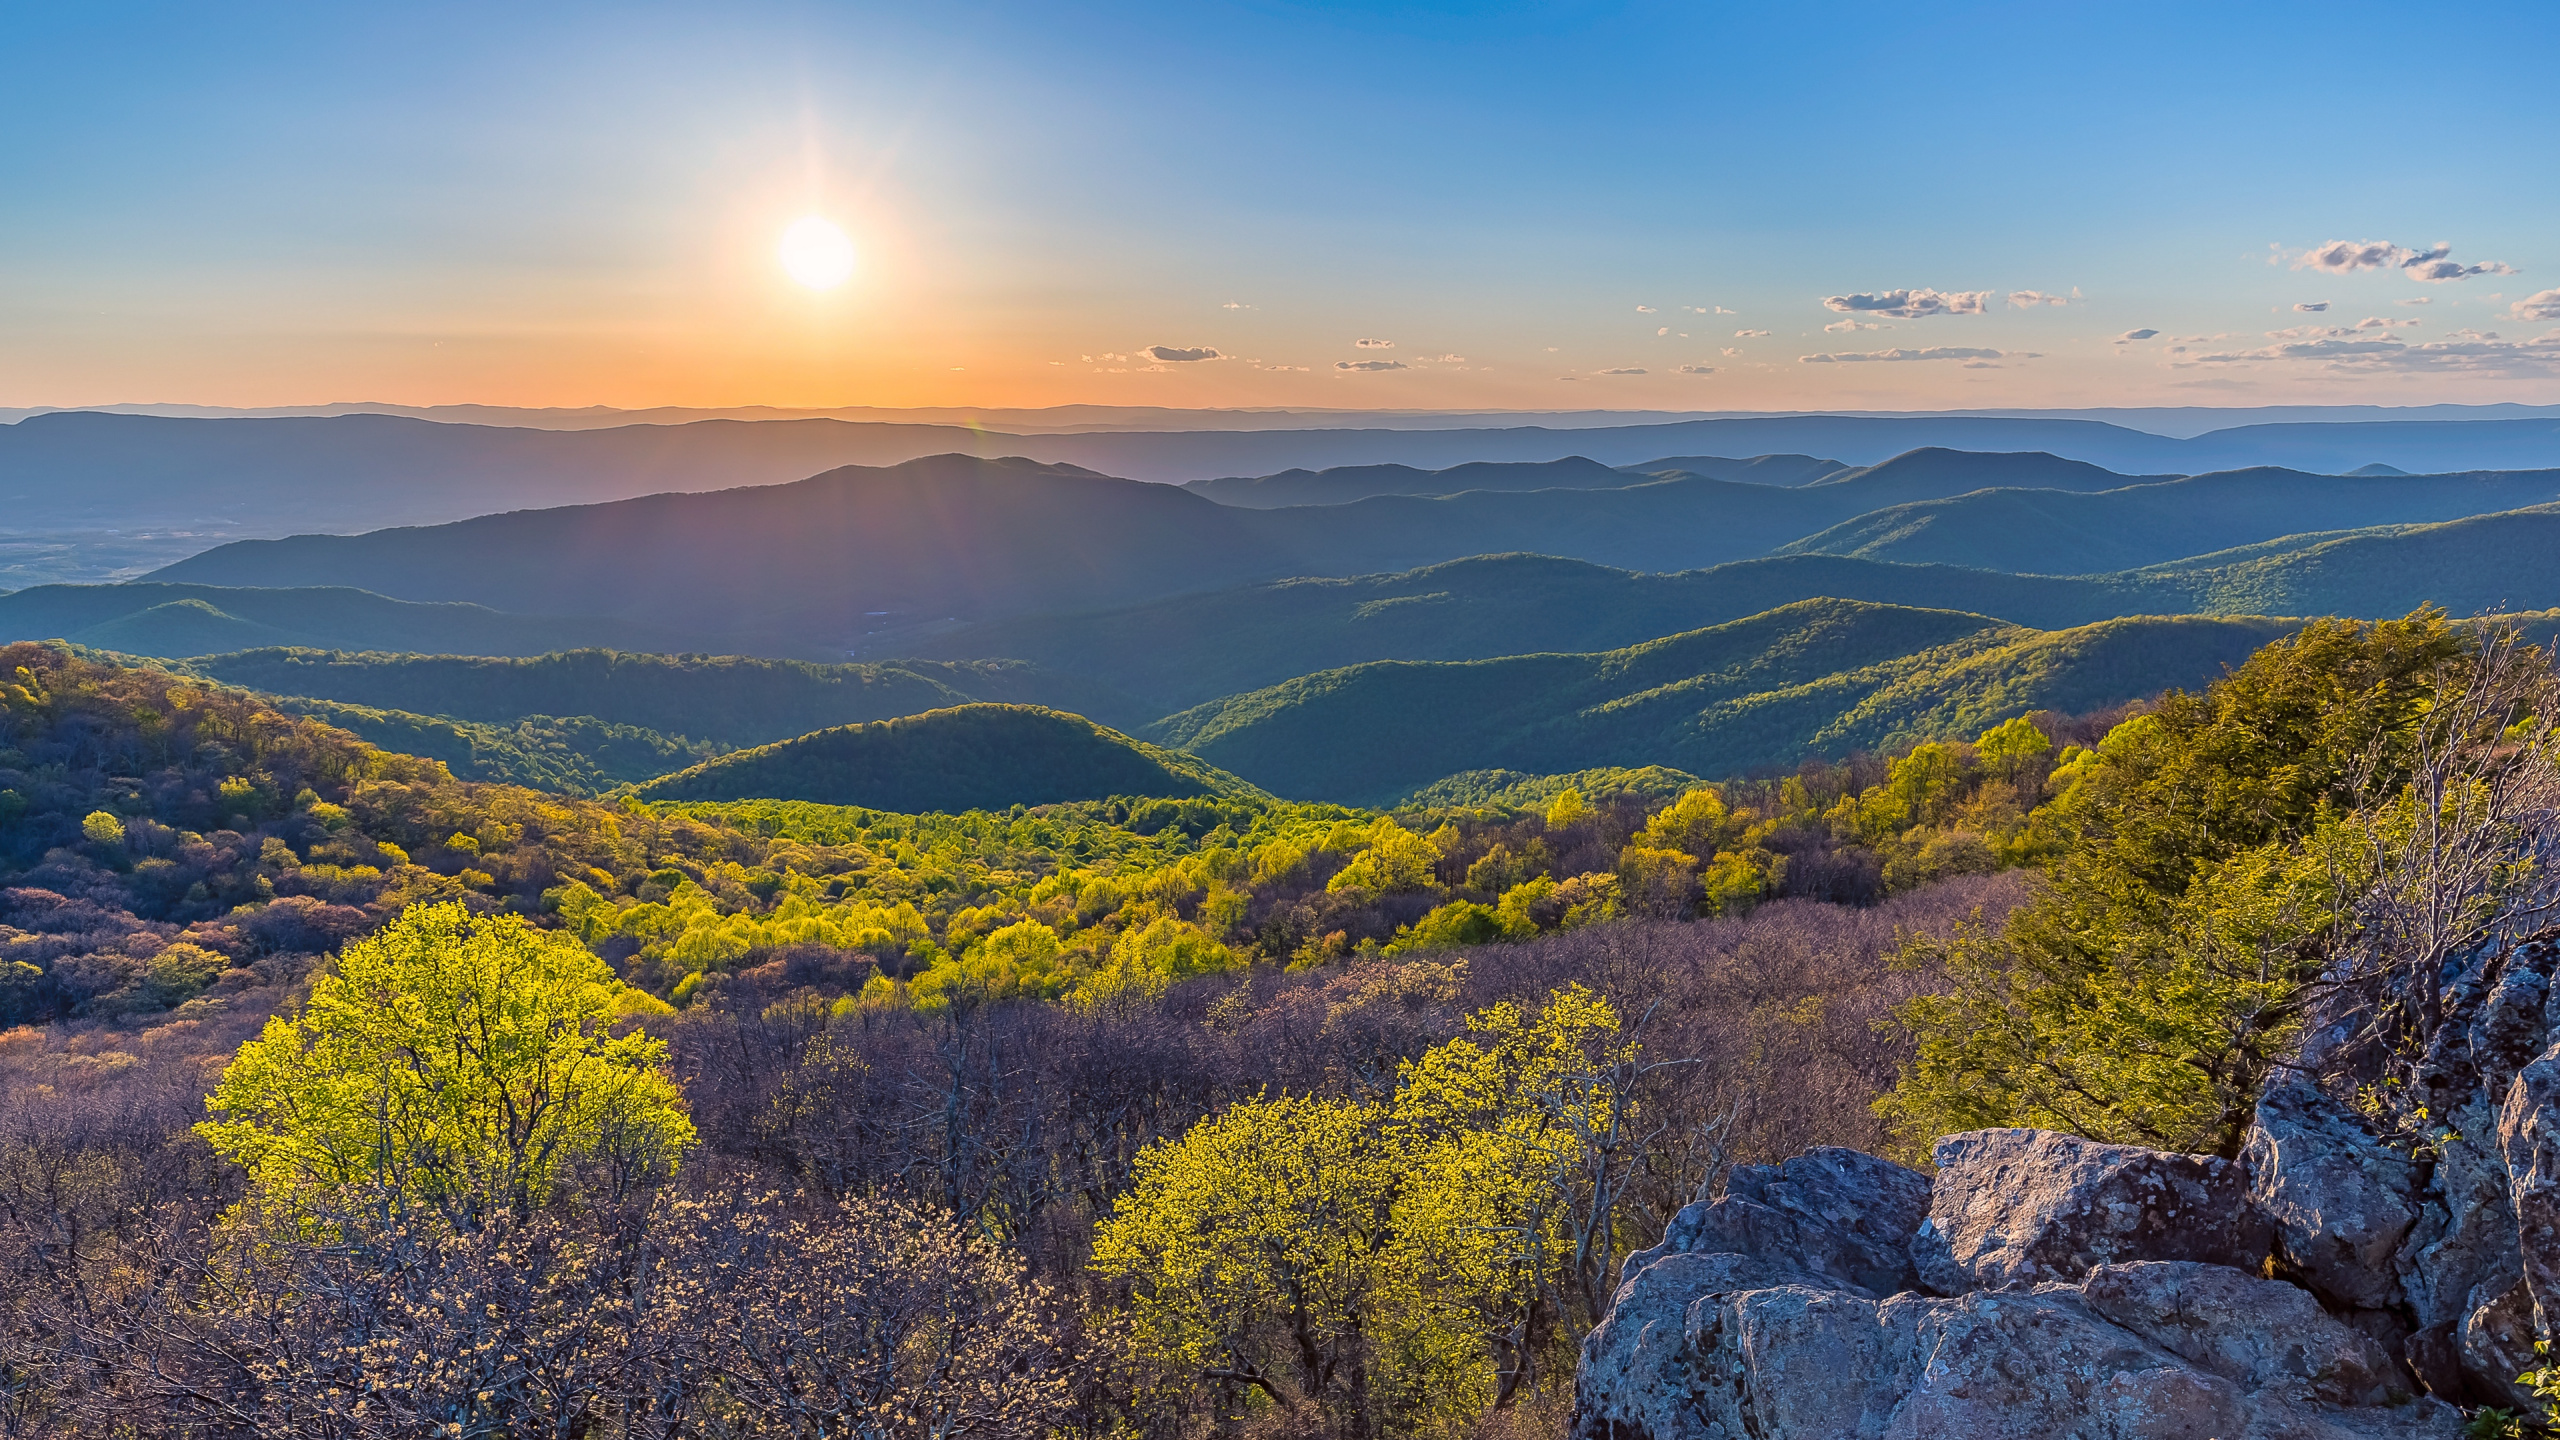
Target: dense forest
x,y
1160,1115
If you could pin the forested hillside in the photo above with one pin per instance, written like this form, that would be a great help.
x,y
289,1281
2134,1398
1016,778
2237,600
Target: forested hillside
x,y
728,699
1060,1044
159,620
1819,677
970,757
2051,532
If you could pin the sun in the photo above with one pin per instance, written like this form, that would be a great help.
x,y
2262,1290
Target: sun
x,y
816,253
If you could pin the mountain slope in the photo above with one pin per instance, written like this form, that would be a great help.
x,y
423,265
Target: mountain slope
x,y
986,757
580,755
728,700
1346,483
1817,676
1179,653
824,558
2053,533
174,621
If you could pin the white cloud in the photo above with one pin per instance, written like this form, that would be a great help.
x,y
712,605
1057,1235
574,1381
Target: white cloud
x,y
2416,300
2030,299
1730,351
1235,305
2345,257
1644,309
1368,365
1622,370
1181,356
1723,311
2377,322
2311,307
2130,336
1749,334
1373,344
1440,359
1934,352
1839,327
2343,350
1662,330
2541,305
1912,304
1695,370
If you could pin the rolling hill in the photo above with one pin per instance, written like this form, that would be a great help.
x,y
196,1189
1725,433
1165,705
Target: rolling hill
x,y
1819,676
171,621
888,553
987,757
580,755
821,560
2049,532
724,700
1178,653
1347,483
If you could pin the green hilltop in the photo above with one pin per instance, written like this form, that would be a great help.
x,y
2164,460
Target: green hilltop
x,y
1815,677
969,757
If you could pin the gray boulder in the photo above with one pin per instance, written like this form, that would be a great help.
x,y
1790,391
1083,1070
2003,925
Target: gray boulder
x,y
2529,1141
2028,1206
1837,1213
2339,1200
2148,1351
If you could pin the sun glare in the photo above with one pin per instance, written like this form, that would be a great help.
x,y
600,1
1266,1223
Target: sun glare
x,y
816,253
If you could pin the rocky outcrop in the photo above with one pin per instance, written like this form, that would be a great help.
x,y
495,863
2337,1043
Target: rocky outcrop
x,y
2026,1206
2083,1290
2335,1280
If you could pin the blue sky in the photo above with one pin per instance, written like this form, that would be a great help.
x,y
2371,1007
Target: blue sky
x,y
573,205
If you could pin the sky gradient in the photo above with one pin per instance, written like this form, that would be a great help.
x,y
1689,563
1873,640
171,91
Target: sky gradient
x,y
1520,205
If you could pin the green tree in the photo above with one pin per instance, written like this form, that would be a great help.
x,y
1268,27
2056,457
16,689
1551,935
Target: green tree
x,y
2159,975
1252,1250
453,1065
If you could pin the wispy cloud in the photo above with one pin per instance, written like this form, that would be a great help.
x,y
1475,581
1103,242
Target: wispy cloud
x,y
1373,344
1179,355
1912,304
1440,359
1729,351
2541,305
2311,307
1838,327
1695,370
1723,311
1622,370
1644,309
2378,322
2346,350
2030,299
1933,352
1235,305
2416,300
1749,334
2345,257
1662,330
2130,336
1368,365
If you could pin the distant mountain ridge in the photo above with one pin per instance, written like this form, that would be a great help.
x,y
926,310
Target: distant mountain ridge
x,y
2052,532
855,551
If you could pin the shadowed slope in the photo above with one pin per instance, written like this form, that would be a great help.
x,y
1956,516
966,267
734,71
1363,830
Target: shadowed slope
x,y
986,757
1818,676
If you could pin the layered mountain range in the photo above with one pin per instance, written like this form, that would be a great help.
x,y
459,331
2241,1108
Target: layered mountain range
x,y
1353,632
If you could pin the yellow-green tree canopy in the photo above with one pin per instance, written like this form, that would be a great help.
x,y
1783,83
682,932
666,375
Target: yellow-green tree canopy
x,y
2152,985
454,1065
